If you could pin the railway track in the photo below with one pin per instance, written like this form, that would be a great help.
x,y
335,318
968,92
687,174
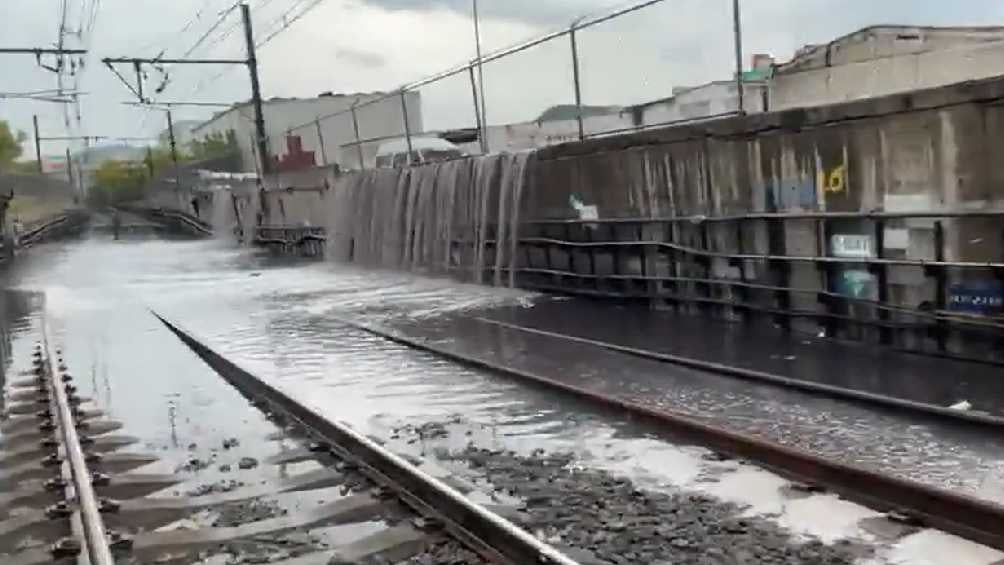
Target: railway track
x,y
902,500
69,495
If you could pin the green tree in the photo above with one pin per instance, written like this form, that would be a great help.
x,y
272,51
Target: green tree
x,y
118,181
159,160
10,145
214,145
25,167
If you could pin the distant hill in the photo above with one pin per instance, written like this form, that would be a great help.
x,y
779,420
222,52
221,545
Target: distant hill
x,y
570,112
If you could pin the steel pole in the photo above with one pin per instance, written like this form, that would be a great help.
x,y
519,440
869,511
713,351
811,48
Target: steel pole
x,y
69,167
174,151
359,145
259,117
482,132
137,66
38,144
578,84
737,31
320,142
407,127
481,77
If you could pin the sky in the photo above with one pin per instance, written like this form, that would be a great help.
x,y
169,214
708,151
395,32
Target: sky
x,y
368,45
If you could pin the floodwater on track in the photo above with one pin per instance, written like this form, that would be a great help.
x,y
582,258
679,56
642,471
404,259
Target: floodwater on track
x,y
280,319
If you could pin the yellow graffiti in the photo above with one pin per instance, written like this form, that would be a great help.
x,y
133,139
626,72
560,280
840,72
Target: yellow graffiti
x,y
834,180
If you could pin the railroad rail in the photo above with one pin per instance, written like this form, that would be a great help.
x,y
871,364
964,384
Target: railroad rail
x,y
487,534
989,422
67,495
57,422
966,516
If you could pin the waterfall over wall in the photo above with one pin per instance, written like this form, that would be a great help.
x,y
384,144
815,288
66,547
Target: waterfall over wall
x,y
457,217
223,216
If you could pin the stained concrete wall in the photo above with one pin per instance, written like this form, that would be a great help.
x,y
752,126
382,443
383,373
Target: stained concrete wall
x,y
931,150
928,150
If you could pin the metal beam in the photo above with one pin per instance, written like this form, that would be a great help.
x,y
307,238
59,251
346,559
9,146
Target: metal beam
x,y
156,61
179,104
40,51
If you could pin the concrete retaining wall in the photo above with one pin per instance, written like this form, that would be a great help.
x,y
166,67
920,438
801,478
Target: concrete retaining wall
x,y
924,151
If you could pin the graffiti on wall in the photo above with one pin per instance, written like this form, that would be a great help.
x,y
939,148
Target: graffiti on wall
x,y
786,194
805,190
832,181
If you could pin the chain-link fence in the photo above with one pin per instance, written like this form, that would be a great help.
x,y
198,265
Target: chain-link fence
x,y
589,64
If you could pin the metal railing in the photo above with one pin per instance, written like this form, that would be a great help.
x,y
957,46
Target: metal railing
x,y
473,69
655,259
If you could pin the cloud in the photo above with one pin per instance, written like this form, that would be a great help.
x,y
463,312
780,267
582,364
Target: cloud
x,y
535,12
360,57
366,45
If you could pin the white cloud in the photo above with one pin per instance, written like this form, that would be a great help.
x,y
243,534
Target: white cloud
x,y
639,57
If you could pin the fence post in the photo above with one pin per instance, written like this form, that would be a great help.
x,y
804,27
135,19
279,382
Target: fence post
x,y
359,143
320,140
737,31
407,126
482,130
575,78
481,71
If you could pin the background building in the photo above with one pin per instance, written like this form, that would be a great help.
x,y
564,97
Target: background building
x,y
183,133
888,59
332,142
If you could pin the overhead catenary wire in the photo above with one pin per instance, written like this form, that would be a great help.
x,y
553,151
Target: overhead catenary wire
x,y
286,23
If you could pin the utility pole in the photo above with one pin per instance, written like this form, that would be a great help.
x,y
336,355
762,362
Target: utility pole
x,y
174,150
38,52
260,139
69,167
38,144
259,117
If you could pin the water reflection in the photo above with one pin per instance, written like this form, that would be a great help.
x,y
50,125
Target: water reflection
x,y
16,308
280,319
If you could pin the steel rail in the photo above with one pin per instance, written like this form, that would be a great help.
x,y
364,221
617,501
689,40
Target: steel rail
x,y
960,514
899,404
95,539
487,533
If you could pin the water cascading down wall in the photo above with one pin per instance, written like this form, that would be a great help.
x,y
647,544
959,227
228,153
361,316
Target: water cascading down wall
x,y
874,220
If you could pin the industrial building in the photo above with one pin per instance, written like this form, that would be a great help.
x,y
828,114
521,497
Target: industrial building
x,y
887,59
306,132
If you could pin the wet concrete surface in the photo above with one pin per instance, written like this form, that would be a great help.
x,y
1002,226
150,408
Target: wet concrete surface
x,y
920,378
280,319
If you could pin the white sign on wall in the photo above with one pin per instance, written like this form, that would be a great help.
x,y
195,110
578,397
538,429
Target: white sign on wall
x,y
851,245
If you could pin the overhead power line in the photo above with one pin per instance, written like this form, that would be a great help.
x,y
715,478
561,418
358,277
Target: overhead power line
x,y
288,23
219,21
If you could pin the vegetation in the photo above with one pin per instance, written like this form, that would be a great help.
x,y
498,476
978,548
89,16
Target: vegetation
x,y
10,146
24,167
116,182
214,145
